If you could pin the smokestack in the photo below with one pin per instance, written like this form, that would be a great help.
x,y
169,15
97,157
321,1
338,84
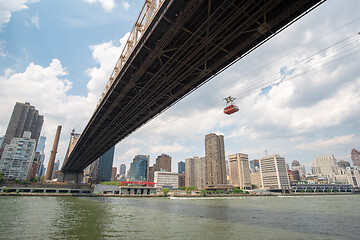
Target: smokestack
x,y
50,167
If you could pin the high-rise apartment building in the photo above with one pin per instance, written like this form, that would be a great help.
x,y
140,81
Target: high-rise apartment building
x,y
239,171
190,172
215,159
163,162
181,167
273,173
122,169
24,118
17,158
139,168
325,166
355,157
195,172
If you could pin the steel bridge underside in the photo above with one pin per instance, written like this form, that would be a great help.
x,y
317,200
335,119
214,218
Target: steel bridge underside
x,y
186,44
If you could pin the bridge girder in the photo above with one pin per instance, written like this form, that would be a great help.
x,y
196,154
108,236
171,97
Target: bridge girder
x,y
186,44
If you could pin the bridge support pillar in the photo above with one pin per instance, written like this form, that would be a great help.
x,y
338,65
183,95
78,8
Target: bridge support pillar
x,y
70,177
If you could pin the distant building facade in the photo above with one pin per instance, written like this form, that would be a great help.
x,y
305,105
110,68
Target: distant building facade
x,y
181,167
295,163
24,118
163,162
300,169
100,170
195,172
355,157
239,171
273,173
182,180
40,156
342,164
122,169
17,158
215,159
254,165
166,179
139,168
151,174
114,174
325,166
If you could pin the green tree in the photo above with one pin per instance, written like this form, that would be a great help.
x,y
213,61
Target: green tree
x,y
203,192
166,191
188,190
34,179
182,188
2,179
253,186
237,190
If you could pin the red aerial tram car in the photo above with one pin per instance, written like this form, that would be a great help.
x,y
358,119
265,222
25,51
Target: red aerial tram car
x,y
230,106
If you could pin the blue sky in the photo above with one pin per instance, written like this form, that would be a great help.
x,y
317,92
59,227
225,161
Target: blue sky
x,y
298,94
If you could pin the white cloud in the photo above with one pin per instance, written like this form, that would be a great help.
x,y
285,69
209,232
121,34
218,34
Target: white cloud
x,y
172,148
36,21
106,55
125,5
9,6
331,143
107,5
2,49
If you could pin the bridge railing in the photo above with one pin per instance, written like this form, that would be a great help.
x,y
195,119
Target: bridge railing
x,y
145,17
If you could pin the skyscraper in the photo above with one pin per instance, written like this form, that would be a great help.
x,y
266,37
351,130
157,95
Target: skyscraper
x,y
24,118
273,173
163,162
100,170
181,167
40,156
122,169
355,157
239,171
17,158
139,168
215,159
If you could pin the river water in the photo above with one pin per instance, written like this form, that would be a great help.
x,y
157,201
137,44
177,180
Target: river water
x,y
266,217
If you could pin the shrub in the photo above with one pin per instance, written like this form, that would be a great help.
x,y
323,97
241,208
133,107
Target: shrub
x,y
166,191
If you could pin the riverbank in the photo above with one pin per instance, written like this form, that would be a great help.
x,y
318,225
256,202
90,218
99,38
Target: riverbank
x,y
173,195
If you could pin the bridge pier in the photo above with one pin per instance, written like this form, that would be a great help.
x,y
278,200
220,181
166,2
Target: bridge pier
x,y
70,177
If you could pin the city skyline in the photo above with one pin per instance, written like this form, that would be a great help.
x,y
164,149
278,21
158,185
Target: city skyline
x,y
294,119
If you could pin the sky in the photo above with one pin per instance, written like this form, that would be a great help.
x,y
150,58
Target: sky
x,y
298,93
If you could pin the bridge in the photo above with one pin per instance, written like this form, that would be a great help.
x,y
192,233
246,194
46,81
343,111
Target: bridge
x,y
174,48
